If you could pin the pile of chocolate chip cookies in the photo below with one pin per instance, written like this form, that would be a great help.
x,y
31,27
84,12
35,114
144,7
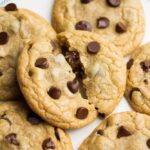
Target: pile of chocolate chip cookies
x,y
71,77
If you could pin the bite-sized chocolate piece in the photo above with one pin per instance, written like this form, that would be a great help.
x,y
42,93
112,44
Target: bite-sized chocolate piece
x,y
12,139
120,27
54,92
123,132
3,38
42,63
102,22
82,113
145,65
48,144
93,47
83,25
114,3
11,7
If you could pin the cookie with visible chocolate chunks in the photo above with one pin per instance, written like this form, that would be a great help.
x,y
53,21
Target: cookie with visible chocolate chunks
x,y
121,22
21,129
138,80
70,86
127,130
17,27
52,90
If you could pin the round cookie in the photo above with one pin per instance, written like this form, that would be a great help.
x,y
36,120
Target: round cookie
x,y
125,131
17,27
121,22
21,129
138,87
63,86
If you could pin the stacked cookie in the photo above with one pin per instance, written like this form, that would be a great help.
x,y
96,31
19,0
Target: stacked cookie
x,y
70,78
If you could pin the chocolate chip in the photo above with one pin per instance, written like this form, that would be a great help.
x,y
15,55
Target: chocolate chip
x,y
3,38
11,7
83,25
72,57
48,144
30,46
34,118
102,115
148,143
130,63
114,3
120,27
145,65
146,81
1,73
30,73
123,132
79,72
102,22
82,113
73,86
54,44
57,133
4,117
85,1
100,132
132,91
54,92
93,47
12,138
42,63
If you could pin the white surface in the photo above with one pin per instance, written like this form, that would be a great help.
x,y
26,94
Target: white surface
x,y
44,8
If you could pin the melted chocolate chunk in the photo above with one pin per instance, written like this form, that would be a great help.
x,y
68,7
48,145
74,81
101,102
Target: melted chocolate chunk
x,y
123,132
73,86
11,7
114,3
93,47
42,63
34,118
86,1
120,27
130,63
100,132
82,113
54,93
83,25
48,144
57,134
3,38
12,139
145,65
102,22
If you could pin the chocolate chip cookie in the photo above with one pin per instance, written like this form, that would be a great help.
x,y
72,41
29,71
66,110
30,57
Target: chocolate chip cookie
x,y
138,82
120,22
69,86
17,27
128,130
50,87
21,129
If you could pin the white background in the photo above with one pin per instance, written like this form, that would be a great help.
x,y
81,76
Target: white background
x,y
44,8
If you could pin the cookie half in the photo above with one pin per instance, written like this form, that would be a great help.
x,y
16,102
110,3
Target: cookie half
x,y
119,22
21,129
99,68
128,130
138,81
17,27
